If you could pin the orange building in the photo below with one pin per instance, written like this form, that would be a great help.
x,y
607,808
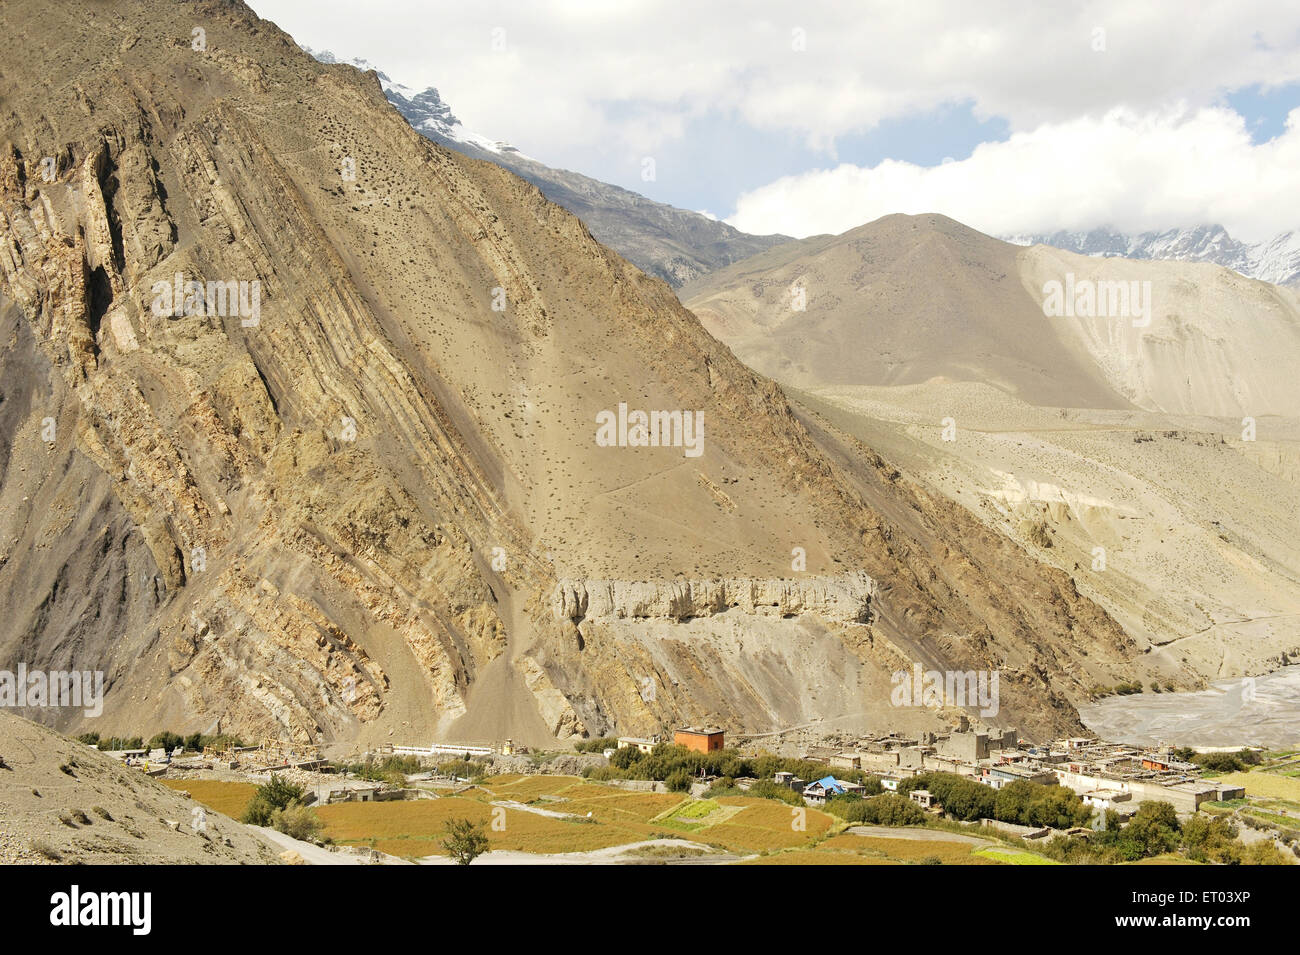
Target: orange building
x,y
698,739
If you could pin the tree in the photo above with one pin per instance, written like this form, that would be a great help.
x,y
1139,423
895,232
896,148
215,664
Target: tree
x,y
1013,802
623,757
1208,838
276,794
298,821
678,781
886,810
1264,853
466,840
1152,830
166,740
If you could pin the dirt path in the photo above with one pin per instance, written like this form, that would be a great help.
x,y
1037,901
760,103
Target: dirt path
x,y
614,855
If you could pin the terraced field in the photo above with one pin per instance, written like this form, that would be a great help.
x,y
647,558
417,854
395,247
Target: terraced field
x,y
551,815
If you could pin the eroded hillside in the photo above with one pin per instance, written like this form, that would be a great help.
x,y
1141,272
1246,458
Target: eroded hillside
x,y
338,501
1151,455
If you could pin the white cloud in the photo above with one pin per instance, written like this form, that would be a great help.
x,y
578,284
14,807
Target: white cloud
x,y
570,68
1134,135
1134,172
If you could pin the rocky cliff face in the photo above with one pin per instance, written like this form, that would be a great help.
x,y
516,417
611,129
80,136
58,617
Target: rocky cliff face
x,y
845,598
300,437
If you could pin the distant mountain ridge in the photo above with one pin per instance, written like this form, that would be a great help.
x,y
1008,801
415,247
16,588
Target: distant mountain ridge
x,y
676,245
1276,261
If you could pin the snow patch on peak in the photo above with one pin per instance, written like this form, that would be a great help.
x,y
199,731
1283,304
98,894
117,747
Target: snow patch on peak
x,y
424,110
1276,261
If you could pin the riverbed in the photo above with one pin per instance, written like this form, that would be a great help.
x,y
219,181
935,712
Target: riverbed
x,y
1255,711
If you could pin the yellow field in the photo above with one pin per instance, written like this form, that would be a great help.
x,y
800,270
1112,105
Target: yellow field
x,y
1265,784
816,857
763,824
229,799
908,850
1014,857
617,806
739,824
417,828
618,817
528,788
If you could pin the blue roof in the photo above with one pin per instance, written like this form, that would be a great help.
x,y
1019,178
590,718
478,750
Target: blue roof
x,y
830,782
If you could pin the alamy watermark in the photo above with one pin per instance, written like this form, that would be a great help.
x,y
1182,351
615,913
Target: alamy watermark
x,y
131,910
1085,298
82,689
180,297
960,688
651,429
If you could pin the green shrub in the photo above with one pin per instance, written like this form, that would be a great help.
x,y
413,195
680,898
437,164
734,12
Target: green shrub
x,y
597,745
465,841
886,810
298,821
678,781
276,794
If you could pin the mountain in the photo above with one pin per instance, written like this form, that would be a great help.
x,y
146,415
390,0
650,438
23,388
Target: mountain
x,y
315,429
1276,261
1114,447
912,299
661,240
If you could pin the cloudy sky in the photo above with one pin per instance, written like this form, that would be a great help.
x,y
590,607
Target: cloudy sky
x,y
819,116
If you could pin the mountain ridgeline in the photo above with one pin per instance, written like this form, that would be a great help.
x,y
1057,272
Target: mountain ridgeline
x,y
674,244
300,439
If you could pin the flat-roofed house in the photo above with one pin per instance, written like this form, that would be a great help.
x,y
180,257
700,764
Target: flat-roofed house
x,y
643,743
699,739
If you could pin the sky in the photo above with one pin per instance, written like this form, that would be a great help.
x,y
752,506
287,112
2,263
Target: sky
x,y
817,116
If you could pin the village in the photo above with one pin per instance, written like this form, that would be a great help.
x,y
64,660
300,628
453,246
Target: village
x,y
703,794
1106,776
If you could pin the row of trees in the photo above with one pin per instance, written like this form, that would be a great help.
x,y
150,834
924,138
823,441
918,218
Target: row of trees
x,y
165,740
1155,830
886,809
391,770
1021,802
1221,762
667,759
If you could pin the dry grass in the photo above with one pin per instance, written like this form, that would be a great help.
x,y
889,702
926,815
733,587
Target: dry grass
x,y
528,788
764,824
615,806
1265,784
816,857
413,829
908,850
228,798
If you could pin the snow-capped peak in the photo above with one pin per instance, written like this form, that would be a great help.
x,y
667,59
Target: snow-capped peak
x,y
424,110
1276,261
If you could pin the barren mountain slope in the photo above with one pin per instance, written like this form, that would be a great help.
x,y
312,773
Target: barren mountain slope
x,y
61,801
1180,519
378,507
910,299
902,300
1217,343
